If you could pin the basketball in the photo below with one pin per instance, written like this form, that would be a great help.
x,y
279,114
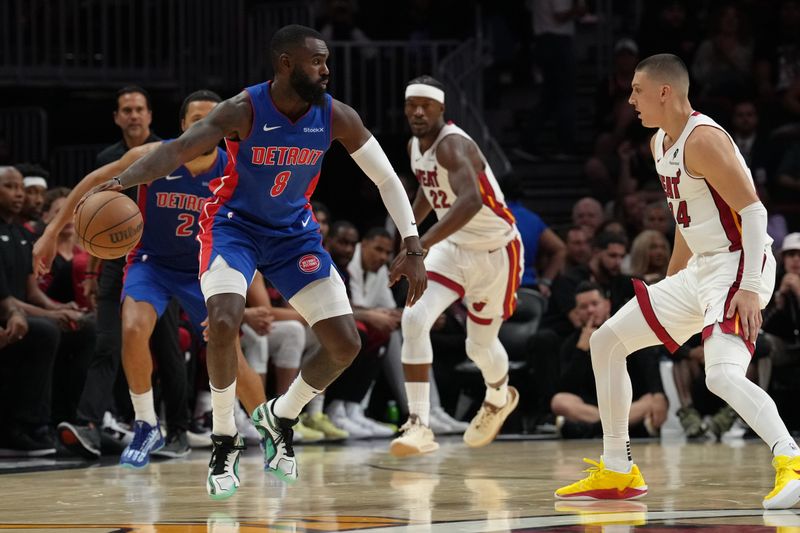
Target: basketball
x,y
108,224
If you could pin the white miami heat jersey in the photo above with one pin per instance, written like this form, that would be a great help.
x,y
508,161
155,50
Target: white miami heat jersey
x,y
705,220
491,227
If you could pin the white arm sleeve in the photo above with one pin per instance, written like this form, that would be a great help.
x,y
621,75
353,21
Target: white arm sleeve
x,y
373,161
754,239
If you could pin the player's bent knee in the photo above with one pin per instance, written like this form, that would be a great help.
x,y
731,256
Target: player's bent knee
x,y
344,347
602,343
415,322
480,354
719,379
225,312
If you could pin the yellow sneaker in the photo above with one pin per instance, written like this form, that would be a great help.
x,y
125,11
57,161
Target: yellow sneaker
x,y
487,423
305,434
321,422
787,483
604,484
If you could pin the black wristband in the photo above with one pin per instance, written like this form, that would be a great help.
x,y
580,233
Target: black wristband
x,y
418,254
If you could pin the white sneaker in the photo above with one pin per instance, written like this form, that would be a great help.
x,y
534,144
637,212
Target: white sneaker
x,y
245,426
115,430
441,416
223,470
338,416
487,423
415,439
356,413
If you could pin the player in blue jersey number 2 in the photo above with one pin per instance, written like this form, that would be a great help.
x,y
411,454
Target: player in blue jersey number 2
x,y
259,218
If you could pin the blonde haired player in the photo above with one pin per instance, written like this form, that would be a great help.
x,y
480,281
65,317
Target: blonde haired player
x,y
720,276
475,254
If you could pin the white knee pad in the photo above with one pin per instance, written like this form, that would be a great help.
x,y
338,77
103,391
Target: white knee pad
x,y
222,279
606,343
255,348
416,326
491,359
286,343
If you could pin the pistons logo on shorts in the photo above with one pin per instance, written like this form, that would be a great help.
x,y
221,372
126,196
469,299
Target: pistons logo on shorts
x,y
309,264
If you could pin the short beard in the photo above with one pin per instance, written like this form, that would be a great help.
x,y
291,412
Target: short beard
x,y
312,93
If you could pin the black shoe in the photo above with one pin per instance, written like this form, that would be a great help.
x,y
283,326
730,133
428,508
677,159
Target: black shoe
x,y
80,440
177,446
21,443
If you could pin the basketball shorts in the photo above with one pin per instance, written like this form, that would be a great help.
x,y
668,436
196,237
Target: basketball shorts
x,y
487,281
148,281
697,297
290,259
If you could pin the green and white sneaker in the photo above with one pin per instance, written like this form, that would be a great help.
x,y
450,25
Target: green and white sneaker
x,y
277,434
223,469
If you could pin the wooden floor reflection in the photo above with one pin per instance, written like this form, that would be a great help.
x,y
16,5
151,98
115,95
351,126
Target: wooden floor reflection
x,y
507,486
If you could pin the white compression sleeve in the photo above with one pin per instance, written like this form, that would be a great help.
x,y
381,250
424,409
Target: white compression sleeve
x,y
373,161
754,233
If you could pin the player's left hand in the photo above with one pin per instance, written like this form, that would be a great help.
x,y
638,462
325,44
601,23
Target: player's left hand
x,y
747,304
412,268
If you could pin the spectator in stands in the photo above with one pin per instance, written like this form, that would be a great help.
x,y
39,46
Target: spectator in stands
x,y
650,254
579,250
543,248
778,64
554,30
28,344
604,269
782,317
133,115
323,216
723,64
375,326
612,111
577,400
657,217
588,213
34,178
667,27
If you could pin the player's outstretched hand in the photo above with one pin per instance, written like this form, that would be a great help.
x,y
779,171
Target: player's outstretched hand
x,y
110,185
747,304
409,265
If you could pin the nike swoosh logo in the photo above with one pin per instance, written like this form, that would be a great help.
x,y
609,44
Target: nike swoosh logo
x,y
305,222
270,128
170,178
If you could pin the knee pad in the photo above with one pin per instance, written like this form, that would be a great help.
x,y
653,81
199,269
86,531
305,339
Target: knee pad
x,y
721,378
480,354
416,322
605,343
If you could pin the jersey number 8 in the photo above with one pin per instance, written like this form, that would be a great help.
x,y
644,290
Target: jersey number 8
x,y
281,181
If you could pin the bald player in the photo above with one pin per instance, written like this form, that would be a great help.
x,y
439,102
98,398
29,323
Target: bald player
x,y
720,276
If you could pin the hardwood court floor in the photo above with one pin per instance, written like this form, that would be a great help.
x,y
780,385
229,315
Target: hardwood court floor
x,y
506,486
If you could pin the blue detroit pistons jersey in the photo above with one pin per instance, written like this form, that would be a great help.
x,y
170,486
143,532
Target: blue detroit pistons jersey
x,y
274,170
171,207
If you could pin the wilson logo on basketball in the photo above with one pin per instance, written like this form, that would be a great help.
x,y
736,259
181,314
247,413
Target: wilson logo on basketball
x,y
309,263
126,234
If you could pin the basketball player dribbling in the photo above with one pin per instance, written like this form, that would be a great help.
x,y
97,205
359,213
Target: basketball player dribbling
x,y
260,218
475,254
162,266
720,276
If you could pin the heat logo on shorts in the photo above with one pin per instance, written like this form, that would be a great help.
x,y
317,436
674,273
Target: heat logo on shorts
x,y
309,264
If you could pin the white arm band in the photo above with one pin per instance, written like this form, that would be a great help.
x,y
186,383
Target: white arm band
x,y
373,161
754,239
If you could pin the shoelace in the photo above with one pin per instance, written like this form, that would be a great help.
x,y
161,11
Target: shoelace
x,y
286,436
412,422
485,414
220,450
594,469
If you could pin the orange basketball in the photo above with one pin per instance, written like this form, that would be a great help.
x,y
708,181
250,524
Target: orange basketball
x,y
108,224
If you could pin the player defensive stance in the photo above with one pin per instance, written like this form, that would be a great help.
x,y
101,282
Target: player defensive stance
x,y
720,276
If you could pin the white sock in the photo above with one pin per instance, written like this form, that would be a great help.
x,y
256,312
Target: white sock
x,y
143,406
617,454
786,446
222,403
316,404
497,396
299,394
419,400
